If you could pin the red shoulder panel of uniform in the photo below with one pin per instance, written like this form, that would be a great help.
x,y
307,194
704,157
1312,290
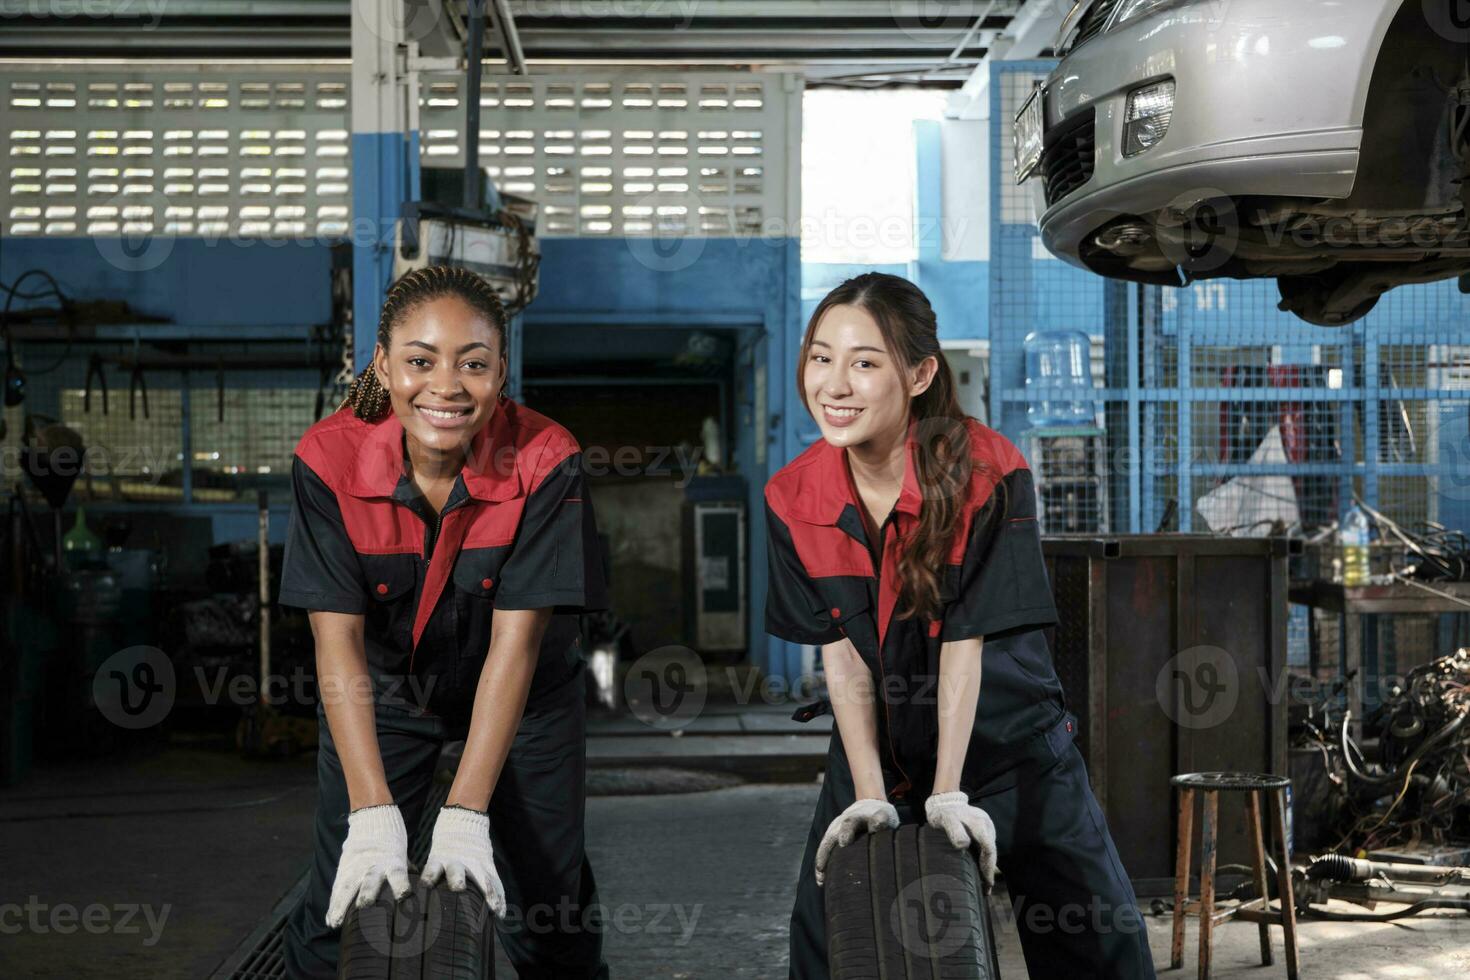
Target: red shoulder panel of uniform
x,y
802,487
329,446
993,449
541,444
994,458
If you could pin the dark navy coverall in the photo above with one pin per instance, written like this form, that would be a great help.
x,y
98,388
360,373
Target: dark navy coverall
x,y
516,532
1075,908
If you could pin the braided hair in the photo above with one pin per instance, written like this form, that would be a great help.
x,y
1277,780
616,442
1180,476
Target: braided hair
x,y
367,396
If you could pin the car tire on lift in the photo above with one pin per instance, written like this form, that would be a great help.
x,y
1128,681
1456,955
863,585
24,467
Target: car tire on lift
x,y
432,934
906,903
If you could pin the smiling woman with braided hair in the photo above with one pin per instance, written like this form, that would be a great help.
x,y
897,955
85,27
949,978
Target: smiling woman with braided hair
x,y
442,539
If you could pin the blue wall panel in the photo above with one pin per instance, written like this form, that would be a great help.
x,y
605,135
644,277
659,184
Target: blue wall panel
x,y
193,281
623,278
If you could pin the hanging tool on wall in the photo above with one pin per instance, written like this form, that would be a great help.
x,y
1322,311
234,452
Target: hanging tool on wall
x,y
136,382
15,379
14,383
94,370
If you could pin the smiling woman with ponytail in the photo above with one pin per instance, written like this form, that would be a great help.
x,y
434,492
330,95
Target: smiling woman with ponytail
x,y
443,541
904,543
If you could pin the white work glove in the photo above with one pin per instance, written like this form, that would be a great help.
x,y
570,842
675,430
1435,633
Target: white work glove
x,y
962,824
376,850
864,815
460,850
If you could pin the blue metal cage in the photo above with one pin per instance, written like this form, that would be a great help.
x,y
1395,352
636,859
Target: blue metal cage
x,y
1220,412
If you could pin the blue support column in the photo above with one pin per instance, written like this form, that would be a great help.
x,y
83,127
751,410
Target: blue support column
x,y
1346,424
996,319
1135,418
385,173
1147,354
1121,324
928,197
784,326
385,155
1372,396
1184,459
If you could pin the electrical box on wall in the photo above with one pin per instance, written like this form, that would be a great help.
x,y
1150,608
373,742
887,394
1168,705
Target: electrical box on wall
x,y
714,567
501,246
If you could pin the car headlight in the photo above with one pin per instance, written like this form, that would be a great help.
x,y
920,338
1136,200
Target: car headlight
x,y
1150,108
1134,9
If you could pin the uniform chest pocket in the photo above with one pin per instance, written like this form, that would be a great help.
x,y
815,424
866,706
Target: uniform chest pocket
x,y
391,582
477,572
476,579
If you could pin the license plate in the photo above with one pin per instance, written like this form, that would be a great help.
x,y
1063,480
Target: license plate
x,y
1029,128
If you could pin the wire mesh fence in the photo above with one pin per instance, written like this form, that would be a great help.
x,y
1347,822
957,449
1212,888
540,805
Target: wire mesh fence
x,y
1034,295
1215,410
1262,422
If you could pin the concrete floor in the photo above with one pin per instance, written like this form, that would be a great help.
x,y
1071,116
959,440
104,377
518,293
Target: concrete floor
x,y
205,842
199,838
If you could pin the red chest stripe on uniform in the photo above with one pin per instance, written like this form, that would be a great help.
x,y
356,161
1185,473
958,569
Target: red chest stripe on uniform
x,y
381,527
446,547
888,580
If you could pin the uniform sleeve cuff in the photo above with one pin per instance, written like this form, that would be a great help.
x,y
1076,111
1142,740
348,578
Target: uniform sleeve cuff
x,y
793,635
1036,618
543,600
322,601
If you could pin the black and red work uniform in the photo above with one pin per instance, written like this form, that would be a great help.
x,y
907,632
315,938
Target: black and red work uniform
x,y
829,581
517,531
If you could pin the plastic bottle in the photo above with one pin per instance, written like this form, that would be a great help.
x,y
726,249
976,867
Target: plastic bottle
x,y
81,538
81,547
1060,359
1352,535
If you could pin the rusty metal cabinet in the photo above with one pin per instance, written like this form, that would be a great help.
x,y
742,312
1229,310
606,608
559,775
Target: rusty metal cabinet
x,y
1172,651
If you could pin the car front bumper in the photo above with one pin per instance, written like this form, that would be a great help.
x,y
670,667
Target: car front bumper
x,y
1269,101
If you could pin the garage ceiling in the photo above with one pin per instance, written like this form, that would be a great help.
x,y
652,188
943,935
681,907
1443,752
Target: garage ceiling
x,y
834,42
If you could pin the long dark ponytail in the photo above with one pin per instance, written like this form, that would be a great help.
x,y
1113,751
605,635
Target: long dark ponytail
x,y
911,332
367,396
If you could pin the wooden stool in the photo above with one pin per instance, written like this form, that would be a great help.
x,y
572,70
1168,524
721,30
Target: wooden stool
x,y
1258,910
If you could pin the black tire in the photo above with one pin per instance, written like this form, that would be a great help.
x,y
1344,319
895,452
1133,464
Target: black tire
x,y
906,904
433,934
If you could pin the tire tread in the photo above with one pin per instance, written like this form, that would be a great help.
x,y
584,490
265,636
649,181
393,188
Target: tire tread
x,y
870,938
